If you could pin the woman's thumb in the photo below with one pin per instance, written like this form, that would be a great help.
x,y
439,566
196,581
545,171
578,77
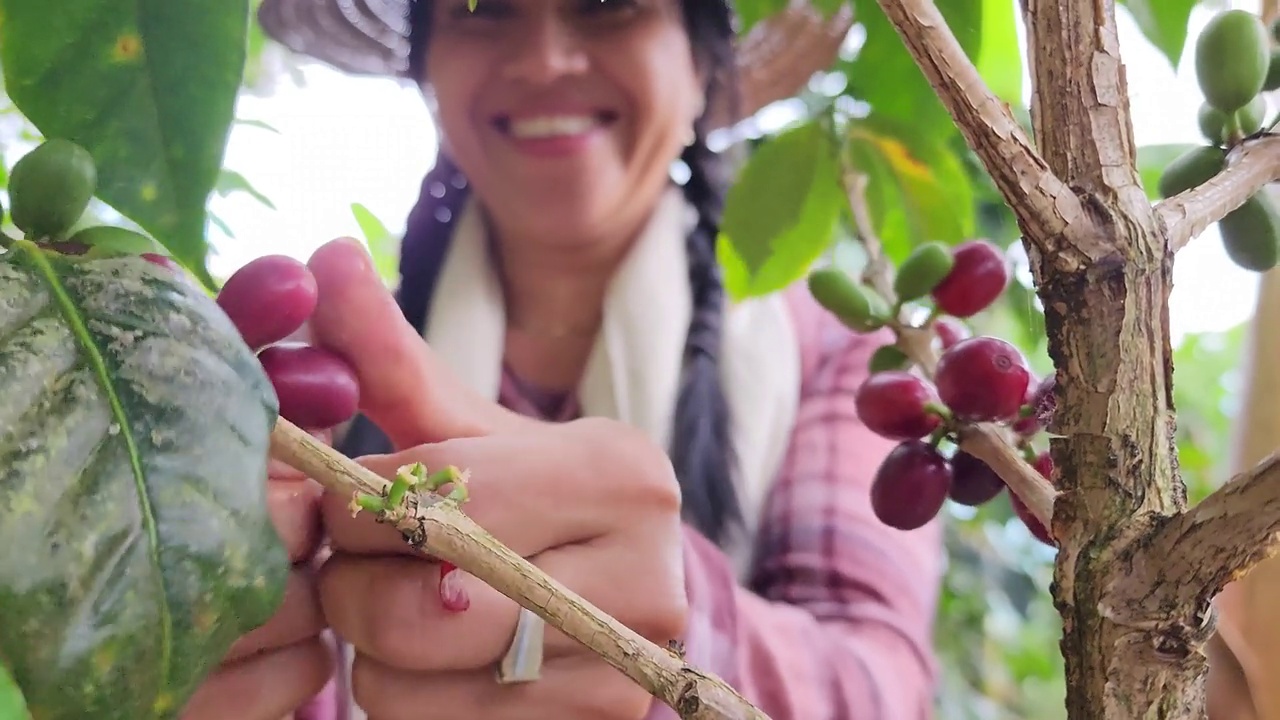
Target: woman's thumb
x,y
404,388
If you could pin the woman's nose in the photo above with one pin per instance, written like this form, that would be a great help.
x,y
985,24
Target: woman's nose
x,y
546,52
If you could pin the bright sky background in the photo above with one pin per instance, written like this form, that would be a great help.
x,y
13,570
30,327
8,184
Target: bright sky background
x,y
346,139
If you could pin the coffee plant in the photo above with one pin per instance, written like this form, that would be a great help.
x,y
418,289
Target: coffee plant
x,y
138,547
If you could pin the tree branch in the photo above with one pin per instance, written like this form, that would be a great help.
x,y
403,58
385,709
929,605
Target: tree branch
x,y
442,530
1080,106
1045,207
1188,560
988,443
1251,165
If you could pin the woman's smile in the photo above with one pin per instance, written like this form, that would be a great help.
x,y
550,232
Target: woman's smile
x,y
555,133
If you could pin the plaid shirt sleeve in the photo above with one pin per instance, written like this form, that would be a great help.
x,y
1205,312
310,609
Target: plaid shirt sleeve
x,y
838,621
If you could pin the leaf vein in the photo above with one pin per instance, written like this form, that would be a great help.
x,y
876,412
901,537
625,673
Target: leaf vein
x,y
98,363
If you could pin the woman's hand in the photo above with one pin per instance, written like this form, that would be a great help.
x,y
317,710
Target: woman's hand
x,y
271,671
588,502
592,503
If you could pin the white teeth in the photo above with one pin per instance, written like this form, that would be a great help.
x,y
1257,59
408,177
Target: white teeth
x,y
542,127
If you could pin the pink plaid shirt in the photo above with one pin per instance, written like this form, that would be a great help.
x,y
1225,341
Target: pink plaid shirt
x,y
837,622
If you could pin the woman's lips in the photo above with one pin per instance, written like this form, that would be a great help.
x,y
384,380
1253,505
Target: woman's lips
x,y
554,134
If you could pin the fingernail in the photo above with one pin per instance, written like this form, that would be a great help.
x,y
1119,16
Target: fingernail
x,y
366,262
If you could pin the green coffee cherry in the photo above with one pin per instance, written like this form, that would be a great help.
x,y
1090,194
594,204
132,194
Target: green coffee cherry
x,y
921,272
50,187
1251,234
111,241
1191,169
1213,123
1233,54
1250,117
857,307
888,357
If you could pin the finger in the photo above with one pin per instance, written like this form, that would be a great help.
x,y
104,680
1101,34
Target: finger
x,y
580,688
295,513
268,299
389,607
263,687
298,618
550,486
405,389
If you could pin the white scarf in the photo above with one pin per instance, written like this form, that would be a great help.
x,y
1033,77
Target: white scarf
x,y
633,372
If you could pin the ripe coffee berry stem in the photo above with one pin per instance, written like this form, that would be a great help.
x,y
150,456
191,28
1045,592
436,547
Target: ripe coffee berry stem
x,y
988,443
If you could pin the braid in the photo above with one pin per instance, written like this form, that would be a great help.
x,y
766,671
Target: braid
x,y
702,452
422,253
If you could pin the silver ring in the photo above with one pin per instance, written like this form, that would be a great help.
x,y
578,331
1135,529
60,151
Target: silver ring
x,y
523,661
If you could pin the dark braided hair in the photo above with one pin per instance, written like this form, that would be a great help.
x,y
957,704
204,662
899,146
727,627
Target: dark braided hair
x,y
701,453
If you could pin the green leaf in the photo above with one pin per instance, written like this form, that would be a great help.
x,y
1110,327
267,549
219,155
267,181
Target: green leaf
x,y
230,181
1164,23
918,189
12,705
134,439
1153,159
261,125
885,75
999,58
383,247
752,12
148,87
781,213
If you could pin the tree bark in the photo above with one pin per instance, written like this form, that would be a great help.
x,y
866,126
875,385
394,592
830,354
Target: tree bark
x,y
1132,589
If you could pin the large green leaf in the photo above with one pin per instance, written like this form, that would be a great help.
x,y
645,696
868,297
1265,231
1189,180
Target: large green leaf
x,y
147,86
918,189
133,447
781,213
1164,23
884,74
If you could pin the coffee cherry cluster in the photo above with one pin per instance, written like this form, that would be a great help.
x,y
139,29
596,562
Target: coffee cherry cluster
x,y
1237,59
49,191
976,379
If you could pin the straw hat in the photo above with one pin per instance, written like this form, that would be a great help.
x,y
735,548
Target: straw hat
x,y
370,37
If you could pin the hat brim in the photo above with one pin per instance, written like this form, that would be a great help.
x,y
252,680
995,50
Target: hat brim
x,y
370,37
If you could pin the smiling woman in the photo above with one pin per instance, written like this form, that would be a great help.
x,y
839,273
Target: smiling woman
x,y
693,467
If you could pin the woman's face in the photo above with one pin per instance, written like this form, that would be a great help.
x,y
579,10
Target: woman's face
x,y
565,115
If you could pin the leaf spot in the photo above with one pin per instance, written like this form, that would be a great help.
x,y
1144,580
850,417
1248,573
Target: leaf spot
x,y
149,192
128,48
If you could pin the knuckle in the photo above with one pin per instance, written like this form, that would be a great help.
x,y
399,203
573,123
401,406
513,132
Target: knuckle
x,y
667,617
641,468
